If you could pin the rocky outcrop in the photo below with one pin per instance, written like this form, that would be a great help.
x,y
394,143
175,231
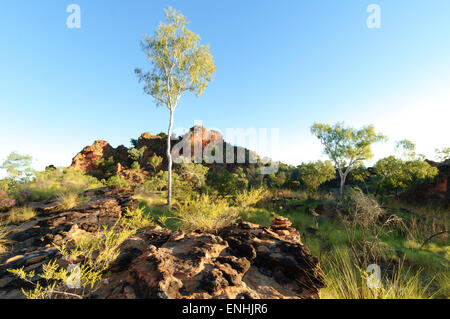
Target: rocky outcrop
x,y
242,261
88,159
197,139
32,242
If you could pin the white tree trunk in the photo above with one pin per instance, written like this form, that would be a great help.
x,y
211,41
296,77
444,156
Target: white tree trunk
x,y
169,160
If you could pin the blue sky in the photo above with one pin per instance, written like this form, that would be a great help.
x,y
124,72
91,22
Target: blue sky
x,y
280,64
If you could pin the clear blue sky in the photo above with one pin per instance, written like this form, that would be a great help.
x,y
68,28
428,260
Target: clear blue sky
x,y
280,64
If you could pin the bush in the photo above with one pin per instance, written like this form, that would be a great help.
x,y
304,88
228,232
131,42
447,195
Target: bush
x,y
248,198
5,201
117,182
52,182
227,183
205,214
20,214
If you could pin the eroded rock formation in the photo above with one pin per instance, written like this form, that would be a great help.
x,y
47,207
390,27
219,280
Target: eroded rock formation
x,y
240,261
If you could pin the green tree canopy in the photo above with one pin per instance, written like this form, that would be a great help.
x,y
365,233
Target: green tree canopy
x,y
180,64
18,167
400,173
314,174
346,147
442,154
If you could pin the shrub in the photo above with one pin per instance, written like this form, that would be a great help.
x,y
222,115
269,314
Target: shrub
x,y
205,214
314,174
227,183
52,182
5,201
194,174
155,161
20,214
68,200
248,198
117,181
135,166
136,219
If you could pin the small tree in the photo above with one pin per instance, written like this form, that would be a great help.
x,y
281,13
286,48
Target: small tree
x,y
442,154
314,174
137,154
155,161
180,64
18,167
348,148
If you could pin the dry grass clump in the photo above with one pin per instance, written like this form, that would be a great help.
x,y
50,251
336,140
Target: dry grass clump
x,y
69,200
4,232
206,214
20,214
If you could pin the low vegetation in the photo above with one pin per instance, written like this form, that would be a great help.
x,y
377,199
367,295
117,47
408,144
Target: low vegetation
x,y
351,219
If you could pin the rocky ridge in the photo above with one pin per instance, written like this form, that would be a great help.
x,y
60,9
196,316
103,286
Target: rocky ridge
x,y
240,261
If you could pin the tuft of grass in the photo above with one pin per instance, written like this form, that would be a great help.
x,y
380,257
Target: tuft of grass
x,y
4,241
51,182
69,200
206,214
20,215
346,280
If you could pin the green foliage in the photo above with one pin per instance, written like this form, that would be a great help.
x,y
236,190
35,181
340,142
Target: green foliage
x,y
155,161
156,183
227,183
277,180
117,181
346,280
206,214
134,142
395,174
179,62
18,167
250,197
52,182
313,174
348,148
135,166
136,219
107,166
194,174
136,154
442,154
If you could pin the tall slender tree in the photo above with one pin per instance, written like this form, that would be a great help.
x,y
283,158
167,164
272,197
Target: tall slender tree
x,y
180,64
